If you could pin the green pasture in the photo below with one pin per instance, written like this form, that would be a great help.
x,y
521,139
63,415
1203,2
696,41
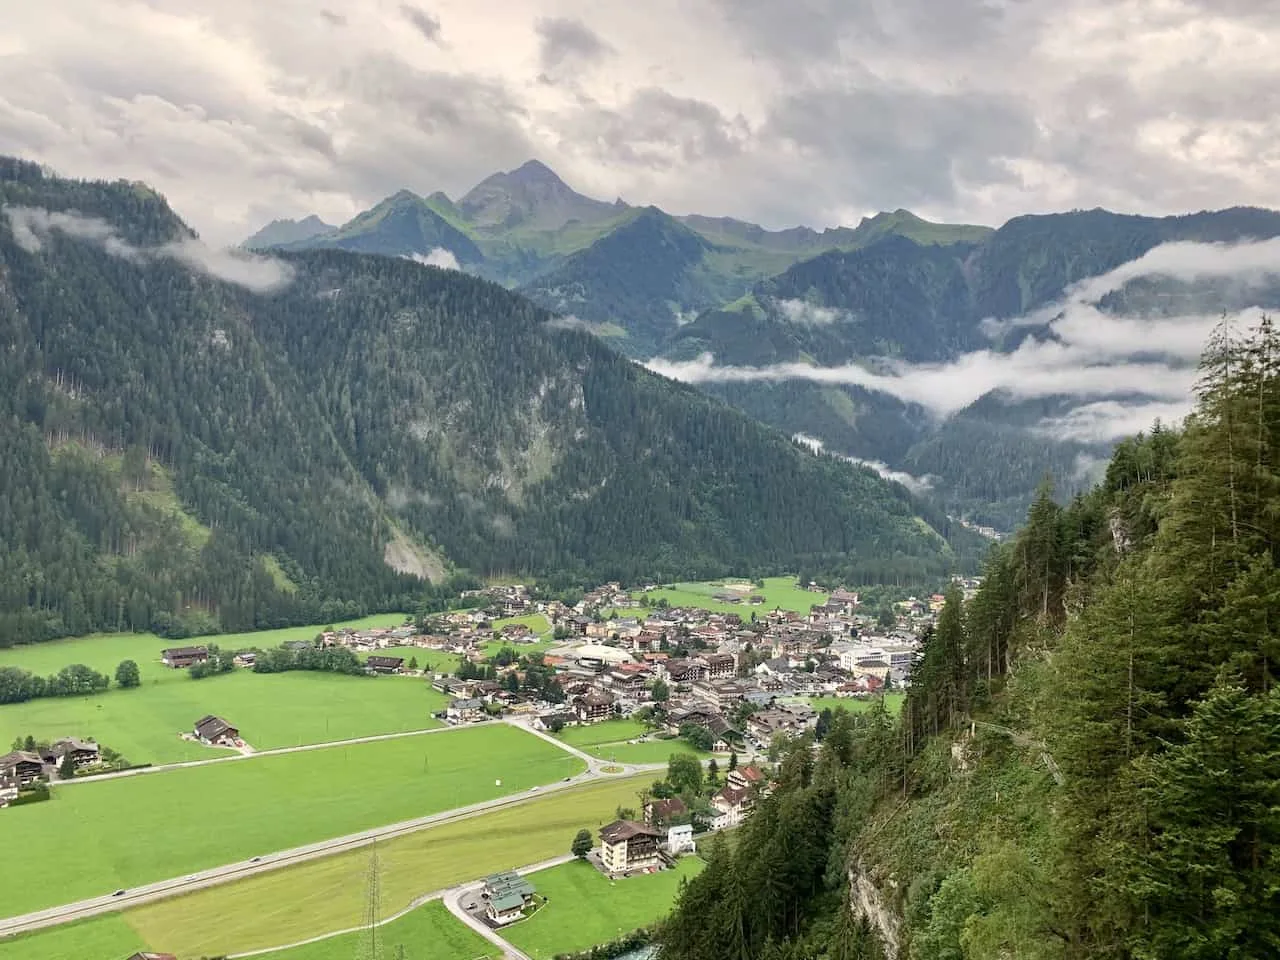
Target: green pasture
x,y
650,751
96,837
285,906
430,932
270,710
585,908
607,731
777,591
104,651
892,702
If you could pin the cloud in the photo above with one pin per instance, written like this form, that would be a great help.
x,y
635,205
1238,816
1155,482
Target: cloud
x,y
31,226
425,23
1088,352
438,257
910,481
803,312
1107,421
565,40
815,111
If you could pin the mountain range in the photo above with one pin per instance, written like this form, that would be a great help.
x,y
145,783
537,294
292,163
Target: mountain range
x,y
191,439
696,296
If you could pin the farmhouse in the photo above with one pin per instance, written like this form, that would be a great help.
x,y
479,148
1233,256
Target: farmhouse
x,y
384,664
593,707
215,730
627,845
82,752
181,657
506,895
21,766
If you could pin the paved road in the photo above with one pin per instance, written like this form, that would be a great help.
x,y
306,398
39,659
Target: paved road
x,y
190,883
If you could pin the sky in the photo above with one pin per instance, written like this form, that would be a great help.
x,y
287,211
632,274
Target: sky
x,y
809,111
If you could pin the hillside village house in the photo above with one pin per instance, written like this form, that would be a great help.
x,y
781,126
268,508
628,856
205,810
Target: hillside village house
x,y
720,665
593,707
182,657
506,895
658,813
216,731
729,804
680,839
22,767
82,752
466,710
384,664
626,845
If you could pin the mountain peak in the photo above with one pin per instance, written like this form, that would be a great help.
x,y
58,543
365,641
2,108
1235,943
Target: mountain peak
x,y
534,171
285,231
532,195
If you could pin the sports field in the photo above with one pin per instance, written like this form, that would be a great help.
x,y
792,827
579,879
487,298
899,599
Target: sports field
x,y
585,908
778,592
430,932
288,905
97,837
270,710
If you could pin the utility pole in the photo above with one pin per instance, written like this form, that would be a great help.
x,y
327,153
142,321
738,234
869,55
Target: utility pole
x,y
368,948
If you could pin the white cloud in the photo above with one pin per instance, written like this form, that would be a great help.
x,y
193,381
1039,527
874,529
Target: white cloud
x,y
31,225
910,481
438,257
813,111
1090,355
803,312
1107,421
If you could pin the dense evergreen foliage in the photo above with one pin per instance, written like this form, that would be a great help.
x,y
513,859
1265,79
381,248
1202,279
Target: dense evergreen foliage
x,y
180,454
1086,764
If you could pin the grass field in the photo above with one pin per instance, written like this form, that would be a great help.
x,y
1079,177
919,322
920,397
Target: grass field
x,y
104,651
778,592
108,937
892,701
609,731
651,751
96,837
432,661
430,932
536,622
585,908
299,902
271,710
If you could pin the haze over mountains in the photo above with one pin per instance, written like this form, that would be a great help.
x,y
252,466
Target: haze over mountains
x,y
899,342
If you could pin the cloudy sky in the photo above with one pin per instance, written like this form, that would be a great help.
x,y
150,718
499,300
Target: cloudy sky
x,y
816,111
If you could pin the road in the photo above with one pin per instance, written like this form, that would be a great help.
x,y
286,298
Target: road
x,y
200,880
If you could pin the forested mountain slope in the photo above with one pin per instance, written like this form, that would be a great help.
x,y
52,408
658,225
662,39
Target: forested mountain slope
x,y
1088,761
907,304
193,439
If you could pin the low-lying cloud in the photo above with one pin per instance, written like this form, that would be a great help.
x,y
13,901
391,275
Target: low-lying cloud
x,y
909,480
1088,353
808,314
32,226
438,257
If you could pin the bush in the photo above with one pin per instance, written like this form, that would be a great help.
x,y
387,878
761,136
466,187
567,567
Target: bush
x,y
36,793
